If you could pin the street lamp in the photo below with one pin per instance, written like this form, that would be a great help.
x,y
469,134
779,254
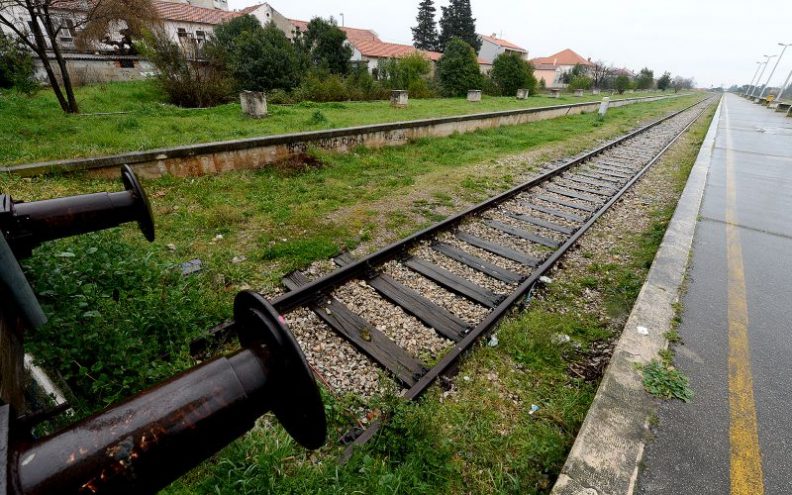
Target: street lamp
x,y
342,19
785,45
753,79
767,60
786,83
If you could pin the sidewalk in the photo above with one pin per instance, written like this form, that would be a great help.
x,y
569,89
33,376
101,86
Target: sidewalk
x,y
735,437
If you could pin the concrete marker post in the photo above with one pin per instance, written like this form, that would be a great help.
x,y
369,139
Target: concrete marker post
x,y
603,109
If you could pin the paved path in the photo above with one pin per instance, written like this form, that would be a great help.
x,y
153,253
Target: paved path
x,y
736,435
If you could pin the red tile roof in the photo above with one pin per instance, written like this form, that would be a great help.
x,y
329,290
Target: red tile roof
x,y
354,35
564,57
183,12
503,43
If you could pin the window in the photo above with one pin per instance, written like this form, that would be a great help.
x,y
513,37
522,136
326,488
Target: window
x,y
182,33
200,36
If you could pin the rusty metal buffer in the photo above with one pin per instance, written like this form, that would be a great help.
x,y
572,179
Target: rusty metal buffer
x,y
144,443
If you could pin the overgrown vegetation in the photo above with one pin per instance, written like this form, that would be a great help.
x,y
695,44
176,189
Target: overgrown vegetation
x,y
477,439
662,380
136,116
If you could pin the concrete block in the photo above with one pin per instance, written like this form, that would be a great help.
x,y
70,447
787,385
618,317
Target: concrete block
x,y
254,103
603,109
578,92
522,94
555,93
399,98
474,95
595,91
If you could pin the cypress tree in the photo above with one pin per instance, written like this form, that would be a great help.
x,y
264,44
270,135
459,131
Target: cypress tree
x,y
425,33
458,22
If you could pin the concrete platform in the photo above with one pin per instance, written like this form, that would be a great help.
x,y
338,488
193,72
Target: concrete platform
x,y
736,435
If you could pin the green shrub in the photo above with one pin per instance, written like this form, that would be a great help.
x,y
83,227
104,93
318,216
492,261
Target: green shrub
x,y
622,84
580,82
404,72
16,66
184,74
258,58
510,73
458,69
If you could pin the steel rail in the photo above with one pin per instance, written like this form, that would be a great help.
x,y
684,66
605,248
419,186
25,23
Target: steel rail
x,y
309,292
526,287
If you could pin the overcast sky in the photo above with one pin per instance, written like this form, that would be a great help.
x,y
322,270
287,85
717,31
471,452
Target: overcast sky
x,y
714,41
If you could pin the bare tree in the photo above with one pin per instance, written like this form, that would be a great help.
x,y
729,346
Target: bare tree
x,y
599,72
47,18
680,82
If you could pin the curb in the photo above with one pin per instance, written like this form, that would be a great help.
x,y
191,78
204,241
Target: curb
x,y
607,453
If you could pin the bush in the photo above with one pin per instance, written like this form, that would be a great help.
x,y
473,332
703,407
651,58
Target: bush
x,y
184,75
458,69
510,73
404,72
16,66
622,84
580,82
258,58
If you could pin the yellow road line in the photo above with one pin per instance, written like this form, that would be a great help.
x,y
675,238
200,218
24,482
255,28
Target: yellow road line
x,y
746,460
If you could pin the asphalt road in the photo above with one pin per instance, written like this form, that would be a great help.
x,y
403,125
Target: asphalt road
x,y
735,437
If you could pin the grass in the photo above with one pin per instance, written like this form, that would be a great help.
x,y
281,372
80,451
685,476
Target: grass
x,y
28,125
121,315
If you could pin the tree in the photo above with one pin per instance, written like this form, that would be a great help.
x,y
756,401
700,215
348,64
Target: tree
x,y
600,73
16,66
258,58
185,74
577,71
664,82
325,46
458,69
580,82
425,35
510,73
680,83
457,22
622,83
41,34
645,79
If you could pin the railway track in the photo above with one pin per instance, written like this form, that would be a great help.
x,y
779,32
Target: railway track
x,y
430,297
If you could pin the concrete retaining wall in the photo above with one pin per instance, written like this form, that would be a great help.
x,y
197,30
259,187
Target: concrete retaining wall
x,y
212,158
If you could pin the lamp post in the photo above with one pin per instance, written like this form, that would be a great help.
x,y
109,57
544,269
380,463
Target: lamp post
x,y
767,60
786,83
342,19
753,79
785,46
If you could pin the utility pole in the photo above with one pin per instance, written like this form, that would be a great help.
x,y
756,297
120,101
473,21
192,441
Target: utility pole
x,y
767,60
785,45
342,19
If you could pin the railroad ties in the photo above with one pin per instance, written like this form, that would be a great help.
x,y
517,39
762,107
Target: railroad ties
x,y
458,278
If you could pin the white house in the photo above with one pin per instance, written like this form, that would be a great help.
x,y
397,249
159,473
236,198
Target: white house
x,y
492,46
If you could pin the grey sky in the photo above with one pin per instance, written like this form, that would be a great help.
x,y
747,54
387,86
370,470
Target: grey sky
x,y
716,42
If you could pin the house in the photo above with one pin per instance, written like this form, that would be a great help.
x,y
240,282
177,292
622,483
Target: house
x,y
552,69
369,49
492,46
